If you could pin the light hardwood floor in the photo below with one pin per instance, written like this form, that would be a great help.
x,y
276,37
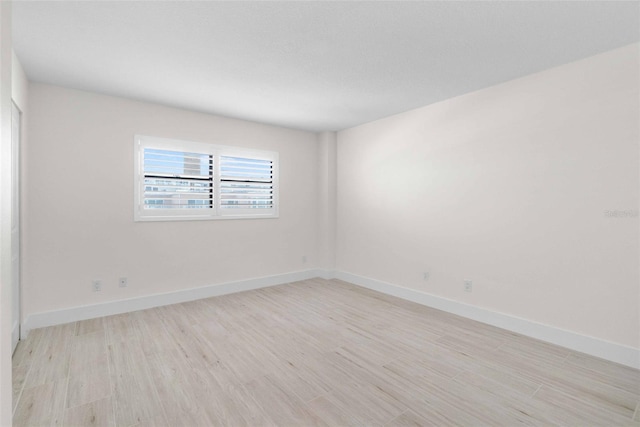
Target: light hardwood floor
x,y
309,353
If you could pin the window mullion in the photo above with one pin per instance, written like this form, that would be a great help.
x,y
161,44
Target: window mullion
x,y
211,181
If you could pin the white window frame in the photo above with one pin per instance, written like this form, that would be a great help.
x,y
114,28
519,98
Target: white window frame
x,y
141,214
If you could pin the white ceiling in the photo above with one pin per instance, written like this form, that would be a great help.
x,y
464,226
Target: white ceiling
x,y
307,65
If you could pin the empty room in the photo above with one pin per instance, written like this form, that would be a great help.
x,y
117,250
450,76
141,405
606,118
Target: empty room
x,y
319,213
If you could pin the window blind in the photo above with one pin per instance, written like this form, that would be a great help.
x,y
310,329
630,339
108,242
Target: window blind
x,y
177,180
246,183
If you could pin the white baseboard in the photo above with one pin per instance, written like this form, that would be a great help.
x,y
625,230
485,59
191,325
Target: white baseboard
x,y
327,274
618,353
74,314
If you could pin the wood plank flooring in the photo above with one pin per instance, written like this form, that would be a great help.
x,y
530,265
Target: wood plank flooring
x,y
309,353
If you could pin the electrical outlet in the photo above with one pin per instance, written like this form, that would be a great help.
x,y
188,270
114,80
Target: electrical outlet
x,y
426,275
122,282
304,259
97,285
468,285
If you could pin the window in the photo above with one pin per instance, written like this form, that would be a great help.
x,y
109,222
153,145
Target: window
x,y
181,180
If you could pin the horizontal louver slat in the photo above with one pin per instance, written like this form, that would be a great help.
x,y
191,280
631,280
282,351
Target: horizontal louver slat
x,y
176,188
176,196
161,206
242,191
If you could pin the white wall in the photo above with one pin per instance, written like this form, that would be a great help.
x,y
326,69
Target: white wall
x,y
5,214
508,187
79,204
327,192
